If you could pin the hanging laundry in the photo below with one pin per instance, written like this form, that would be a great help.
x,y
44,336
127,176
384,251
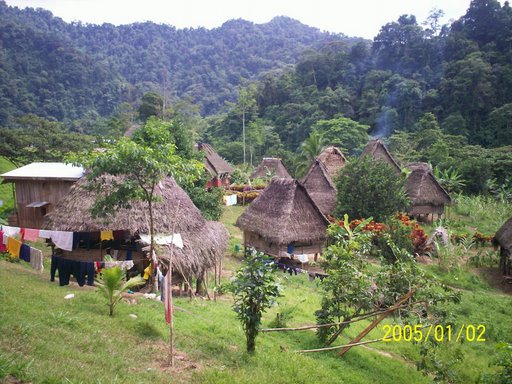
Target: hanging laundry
x,y
118,235
36,259
31,234
43,233
67,268
10,231
303,258
106,235
162,239
3,248
166,289
63,240
147,272
125,265
13,246
81,239
25,252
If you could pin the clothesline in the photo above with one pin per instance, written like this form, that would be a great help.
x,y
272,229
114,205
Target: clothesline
x,y
62,239
17,248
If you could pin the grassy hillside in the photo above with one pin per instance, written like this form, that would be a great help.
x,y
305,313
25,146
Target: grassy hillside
x,y
47,339
5,190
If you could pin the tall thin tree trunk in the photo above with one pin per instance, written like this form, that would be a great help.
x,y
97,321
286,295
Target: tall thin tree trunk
x,y
243,131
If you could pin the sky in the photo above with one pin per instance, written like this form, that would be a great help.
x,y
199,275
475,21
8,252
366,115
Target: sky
x,y
361,18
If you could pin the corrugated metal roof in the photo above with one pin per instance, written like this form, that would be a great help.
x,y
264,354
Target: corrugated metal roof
x,y
38,171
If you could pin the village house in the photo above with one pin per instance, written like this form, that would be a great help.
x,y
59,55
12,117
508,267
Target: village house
x,y
37,188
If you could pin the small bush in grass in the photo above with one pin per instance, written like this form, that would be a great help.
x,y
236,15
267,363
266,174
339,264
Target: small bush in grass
x,y
254,289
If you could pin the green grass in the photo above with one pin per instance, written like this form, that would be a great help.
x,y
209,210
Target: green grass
x,y
485,214
6,190
46,339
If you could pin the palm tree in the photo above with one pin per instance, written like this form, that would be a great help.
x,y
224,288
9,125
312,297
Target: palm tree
x,y
112,283
309,150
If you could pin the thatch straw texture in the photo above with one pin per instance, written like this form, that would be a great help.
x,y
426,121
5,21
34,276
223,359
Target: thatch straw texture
x,y
423,188
271,165
504,235
203,242
320,187
378,151
333,159
284,213
215,164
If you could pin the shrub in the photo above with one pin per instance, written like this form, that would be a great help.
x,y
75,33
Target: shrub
x,y
254,289
370,188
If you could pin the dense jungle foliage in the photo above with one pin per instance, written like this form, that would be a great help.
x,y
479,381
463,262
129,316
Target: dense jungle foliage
x,y
443,93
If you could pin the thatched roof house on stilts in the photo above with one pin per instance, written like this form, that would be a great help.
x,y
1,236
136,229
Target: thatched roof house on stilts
x,y
504,238
319,179
428,198
378,151
284,220
204,243
272,166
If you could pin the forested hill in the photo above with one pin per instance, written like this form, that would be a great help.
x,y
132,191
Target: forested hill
x,y
65,71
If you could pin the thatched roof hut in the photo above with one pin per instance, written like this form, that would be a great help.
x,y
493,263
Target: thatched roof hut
x,y
320,187
378,151
272,165
426,194
284,219
203,242
216,165
504,239
333,159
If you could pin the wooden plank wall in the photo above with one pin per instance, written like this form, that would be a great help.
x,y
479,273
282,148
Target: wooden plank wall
x,y
28,191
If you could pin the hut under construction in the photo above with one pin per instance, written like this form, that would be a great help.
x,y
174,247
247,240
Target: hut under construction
x,y
38,188
378,151
319,179
219,169
504,238
271,166
284,220
203,242
427,196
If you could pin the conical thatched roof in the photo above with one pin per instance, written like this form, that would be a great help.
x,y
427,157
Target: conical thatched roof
x,y
423,188
273,165
378,151
215,164
504,234
333,159
204,242
284,213
320,187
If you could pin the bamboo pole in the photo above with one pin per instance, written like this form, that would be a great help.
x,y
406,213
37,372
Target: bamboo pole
x,y
340,346
377,321
306,327
351,344
169,292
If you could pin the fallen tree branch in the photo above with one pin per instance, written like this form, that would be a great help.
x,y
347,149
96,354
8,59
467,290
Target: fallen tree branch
x,y
361,317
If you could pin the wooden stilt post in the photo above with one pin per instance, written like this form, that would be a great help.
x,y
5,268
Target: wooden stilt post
x,y
376,322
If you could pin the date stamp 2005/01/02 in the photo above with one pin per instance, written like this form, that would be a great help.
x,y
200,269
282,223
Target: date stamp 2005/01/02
x,y
439,333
